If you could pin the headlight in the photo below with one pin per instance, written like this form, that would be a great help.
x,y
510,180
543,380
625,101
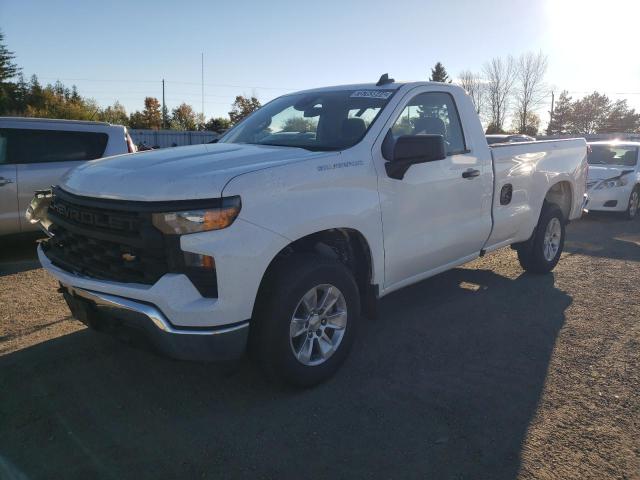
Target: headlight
x,y
612,183
192,221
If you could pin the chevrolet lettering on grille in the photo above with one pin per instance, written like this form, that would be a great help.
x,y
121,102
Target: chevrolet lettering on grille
x,y
100,220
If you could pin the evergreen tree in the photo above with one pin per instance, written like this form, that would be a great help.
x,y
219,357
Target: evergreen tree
x,y
561,115
621,119
8,69
35,98
589,114
439,74
75,96
21,93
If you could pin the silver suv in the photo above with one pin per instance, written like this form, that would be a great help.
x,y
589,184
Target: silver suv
x,y
35,153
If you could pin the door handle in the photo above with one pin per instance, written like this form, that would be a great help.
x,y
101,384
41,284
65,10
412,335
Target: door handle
x,y
5,181
471,173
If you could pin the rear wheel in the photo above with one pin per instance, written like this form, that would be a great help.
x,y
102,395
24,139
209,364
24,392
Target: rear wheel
x,y
306,319
541,253
634,204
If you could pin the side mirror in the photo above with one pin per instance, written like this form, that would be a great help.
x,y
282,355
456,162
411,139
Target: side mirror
x,y
410,149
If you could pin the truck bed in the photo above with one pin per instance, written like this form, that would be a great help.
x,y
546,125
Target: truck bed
x,y
530,169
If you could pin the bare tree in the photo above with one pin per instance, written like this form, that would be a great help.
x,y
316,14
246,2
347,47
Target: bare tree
x,y
500,76
530,89
473,85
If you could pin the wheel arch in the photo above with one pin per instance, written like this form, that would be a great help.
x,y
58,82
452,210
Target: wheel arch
x,y
561,194
347,245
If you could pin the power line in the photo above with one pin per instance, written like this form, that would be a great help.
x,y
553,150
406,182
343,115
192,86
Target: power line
x,y
136,93
113,80
98,80
224,85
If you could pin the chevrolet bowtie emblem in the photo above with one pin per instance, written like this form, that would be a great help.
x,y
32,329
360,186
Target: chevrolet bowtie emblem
x,y
127,257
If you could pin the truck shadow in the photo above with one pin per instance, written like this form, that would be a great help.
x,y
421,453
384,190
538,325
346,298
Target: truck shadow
x,y
604,235
18,253
444,384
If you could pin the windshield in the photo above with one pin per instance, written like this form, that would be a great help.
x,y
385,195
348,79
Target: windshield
x,y
618,155
332,120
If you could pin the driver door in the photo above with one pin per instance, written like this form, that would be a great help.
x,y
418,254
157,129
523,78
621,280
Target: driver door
x,y
438,214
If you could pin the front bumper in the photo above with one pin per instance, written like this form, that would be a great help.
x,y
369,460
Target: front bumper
x,y
110,313
609,199
242,254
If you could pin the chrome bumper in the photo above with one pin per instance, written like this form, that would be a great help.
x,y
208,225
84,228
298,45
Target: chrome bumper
x,y
106,312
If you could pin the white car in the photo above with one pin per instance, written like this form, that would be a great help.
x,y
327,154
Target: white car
x,y
614,177
301,217
36,152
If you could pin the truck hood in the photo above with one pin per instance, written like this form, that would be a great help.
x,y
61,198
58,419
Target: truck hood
x,y
179,173
597,172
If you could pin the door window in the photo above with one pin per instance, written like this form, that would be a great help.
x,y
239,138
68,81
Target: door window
x,y
432,113
41,146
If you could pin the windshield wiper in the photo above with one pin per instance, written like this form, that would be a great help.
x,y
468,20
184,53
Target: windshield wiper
x,y
284,145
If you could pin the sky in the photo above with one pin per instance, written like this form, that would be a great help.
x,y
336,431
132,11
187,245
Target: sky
x,y
121,50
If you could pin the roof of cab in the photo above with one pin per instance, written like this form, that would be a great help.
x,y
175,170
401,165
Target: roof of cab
x,y
372,86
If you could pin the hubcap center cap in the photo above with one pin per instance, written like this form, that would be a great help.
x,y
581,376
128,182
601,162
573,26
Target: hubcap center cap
x,y
314,321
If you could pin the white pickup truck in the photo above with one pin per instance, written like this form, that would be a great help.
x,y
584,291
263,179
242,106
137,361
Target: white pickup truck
x,y
305,213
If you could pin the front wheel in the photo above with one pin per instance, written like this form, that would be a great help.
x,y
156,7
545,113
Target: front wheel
x,y
541,253
634,204
306,319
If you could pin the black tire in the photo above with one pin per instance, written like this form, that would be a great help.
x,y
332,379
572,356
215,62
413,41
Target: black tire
x,y
283,290
632,213
531,253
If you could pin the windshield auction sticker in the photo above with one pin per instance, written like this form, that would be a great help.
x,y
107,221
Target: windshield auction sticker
x,y
383,94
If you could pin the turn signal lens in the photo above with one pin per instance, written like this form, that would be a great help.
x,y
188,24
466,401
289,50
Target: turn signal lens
x,y
201,261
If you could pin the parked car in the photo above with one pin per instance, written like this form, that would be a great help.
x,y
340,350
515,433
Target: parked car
x,y
36,152
614,177
498,138
279,240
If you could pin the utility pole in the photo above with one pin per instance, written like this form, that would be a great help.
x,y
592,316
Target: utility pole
x,y
553,98
164,115
202,66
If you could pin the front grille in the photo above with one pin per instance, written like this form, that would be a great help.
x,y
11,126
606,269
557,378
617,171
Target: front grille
x,y
105,243
103,259
116,240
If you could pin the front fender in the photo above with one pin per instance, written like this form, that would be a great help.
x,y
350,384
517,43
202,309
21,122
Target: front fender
x,y
302,198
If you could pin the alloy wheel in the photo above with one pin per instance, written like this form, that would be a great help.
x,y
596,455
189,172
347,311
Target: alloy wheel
x,y
552,236
318,324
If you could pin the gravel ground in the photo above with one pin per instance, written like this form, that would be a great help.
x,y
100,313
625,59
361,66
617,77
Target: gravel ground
x,y
482,372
